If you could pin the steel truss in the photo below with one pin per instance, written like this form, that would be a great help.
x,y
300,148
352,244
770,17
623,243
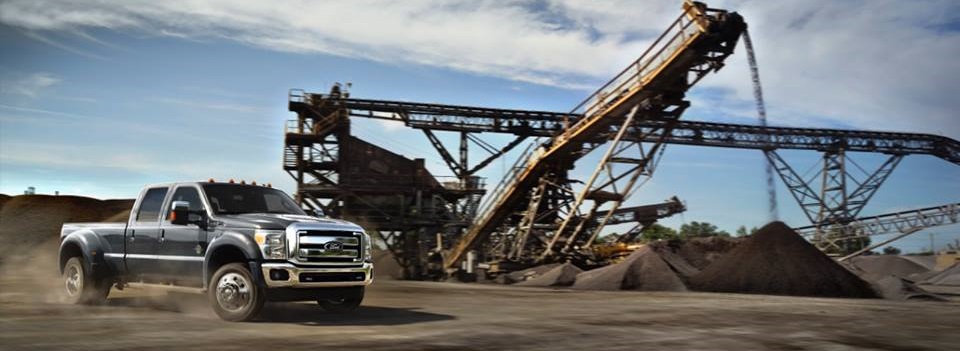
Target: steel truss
x,y
903,222
828,198
835,204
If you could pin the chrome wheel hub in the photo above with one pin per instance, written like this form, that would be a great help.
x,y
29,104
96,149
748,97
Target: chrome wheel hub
x,y
233,292
73,279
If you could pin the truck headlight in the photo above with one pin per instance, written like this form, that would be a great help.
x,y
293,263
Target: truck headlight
x,y
273,243
367,247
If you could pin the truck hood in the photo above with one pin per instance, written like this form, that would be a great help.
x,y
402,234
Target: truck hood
x,y
281,221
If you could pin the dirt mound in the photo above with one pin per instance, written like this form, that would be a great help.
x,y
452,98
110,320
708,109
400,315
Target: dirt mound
x,y
28,220
3,199
676,262
894,288
776,260
949,276
563,275
526,274
642,270
927,261
888,265
701,252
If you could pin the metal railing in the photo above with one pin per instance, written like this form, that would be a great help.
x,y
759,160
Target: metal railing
x,y
507,181
680,34
684,30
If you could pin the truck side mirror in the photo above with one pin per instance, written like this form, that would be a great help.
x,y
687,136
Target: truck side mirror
x,y
180,214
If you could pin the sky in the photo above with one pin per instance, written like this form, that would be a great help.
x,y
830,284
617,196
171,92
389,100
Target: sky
x,y
98,98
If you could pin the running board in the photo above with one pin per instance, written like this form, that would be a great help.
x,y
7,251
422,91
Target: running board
x,y
167,287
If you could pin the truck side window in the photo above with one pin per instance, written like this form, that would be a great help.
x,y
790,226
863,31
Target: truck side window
x,y
189,194
150,208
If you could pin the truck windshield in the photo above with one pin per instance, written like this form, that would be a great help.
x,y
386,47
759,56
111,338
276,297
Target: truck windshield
x,y
228,199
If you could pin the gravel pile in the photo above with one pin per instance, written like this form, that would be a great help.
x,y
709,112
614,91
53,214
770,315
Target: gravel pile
x,y
894,288
777,261
949,276
642,270
526,274
885,265
701,252
563,275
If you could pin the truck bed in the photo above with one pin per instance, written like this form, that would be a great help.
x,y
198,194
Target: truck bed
x,y
96,227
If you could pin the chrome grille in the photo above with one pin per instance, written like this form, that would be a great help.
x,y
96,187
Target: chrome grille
x,y
329,246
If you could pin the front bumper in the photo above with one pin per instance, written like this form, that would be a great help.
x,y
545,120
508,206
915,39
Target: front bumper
x,y
294,275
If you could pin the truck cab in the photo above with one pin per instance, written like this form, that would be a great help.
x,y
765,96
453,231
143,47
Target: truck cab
x,y
240,244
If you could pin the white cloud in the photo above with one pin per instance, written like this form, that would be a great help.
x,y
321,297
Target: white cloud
x,y
868,64
229,107
29,85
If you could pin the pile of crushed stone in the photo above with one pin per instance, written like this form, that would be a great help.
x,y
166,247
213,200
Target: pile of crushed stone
x,y
562,275
526,274
948,276
688,257
642,270
777,261
888,265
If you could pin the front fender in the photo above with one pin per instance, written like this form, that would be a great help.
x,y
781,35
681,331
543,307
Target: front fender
x,y
230,241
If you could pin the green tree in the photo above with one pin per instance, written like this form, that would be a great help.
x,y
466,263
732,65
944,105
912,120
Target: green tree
x,y
657,232
891,250
700,230
742,231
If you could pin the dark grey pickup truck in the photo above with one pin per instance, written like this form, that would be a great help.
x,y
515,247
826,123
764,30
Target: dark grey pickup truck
x,y
240,244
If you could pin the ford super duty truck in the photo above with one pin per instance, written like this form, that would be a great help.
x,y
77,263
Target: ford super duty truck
x,y
240,244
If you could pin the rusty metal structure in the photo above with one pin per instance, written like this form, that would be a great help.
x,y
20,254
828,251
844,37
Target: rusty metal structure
x,y
523,124
538,213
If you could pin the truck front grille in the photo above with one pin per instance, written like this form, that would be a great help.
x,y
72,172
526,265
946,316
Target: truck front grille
x,y
329,246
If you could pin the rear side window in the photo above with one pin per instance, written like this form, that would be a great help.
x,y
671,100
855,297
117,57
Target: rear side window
x,y
150,207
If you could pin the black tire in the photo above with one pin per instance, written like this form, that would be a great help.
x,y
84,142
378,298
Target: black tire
x,y
345,304
234,295
80,286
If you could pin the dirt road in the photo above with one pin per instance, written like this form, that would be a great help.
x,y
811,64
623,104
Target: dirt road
x,y
442,316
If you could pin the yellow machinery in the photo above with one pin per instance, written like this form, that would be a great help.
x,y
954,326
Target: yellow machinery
x,y
650,88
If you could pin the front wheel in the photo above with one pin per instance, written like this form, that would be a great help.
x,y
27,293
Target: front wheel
x,y
234,295
346,303
80,286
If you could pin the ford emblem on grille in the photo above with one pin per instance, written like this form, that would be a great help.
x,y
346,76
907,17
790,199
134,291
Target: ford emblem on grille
x,y
333,246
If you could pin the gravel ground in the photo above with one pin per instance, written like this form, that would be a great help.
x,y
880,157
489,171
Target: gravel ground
x,y
400,315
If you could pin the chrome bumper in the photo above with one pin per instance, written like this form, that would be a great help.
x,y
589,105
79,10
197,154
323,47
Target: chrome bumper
x,y
295,272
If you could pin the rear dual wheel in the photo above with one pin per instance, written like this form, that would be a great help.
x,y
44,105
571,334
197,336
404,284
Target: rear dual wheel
x,y
80,286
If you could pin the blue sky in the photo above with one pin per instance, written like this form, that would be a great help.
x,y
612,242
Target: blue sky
x,y
98,99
